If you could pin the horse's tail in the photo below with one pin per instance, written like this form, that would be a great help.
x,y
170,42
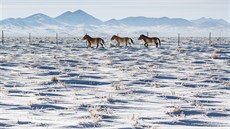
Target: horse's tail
x,y
131,40
102,41
159,41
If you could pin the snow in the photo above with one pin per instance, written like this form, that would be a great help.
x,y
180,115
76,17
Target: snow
x,y
108,30
45,85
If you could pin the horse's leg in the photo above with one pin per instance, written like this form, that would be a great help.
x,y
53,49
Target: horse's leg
x,y
126,44
146,44
88,45
156,45
97,45
102,45
118,44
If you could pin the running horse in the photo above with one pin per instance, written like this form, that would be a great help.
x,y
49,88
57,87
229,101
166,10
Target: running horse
x,y
91,41
148,40
122,40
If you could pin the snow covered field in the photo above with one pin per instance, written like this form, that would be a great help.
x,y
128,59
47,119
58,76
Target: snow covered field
x,y
45,85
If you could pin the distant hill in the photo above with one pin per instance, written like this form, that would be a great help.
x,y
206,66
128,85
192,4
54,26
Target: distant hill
x,y
80,17
34,20
80,22
209,22
145,21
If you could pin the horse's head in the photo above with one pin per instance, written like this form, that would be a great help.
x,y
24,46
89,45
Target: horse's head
x,y
85,37
113,37
141,37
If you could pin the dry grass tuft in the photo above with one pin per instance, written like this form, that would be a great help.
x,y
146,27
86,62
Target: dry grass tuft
x,y
95,116
54,79
181,50
215,56
219,50
109,98
95,113
176,111
118,86
155,84
134,118
172,92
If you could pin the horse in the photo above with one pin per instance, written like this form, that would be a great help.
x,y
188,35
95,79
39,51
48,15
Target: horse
x,y
122,40
148,40
91,41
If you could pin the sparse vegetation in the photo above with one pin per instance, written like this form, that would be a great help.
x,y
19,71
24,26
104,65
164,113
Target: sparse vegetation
x,y
118,86
134,118
94,115
181,50
173,92
215,56
219,50
109,98
113,87
54,79
176,111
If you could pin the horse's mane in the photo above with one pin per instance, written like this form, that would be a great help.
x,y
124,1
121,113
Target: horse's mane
x,y
87,36
144,36
115,36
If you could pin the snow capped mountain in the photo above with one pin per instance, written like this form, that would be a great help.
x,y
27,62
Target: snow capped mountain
x,y
32,21
40,19
209,22
80,22
144,21
112,22
173,22
137,21
13,21
78,17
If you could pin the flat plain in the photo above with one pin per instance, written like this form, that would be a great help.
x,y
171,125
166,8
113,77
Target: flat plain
x,y
66,85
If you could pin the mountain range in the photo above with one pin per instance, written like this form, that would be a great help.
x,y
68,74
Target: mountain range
x,y
80,17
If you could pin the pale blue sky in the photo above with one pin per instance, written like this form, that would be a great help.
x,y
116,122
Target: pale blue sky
x,y
107,9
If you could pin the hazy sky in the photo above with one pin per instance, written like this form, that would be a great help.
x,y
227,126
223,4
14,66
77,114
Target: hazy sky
x,y
107,9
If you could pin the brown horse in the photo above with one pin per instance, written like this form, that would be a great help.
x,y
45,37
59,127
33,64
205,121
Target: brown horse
x,y
91,41
122,40
148,40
